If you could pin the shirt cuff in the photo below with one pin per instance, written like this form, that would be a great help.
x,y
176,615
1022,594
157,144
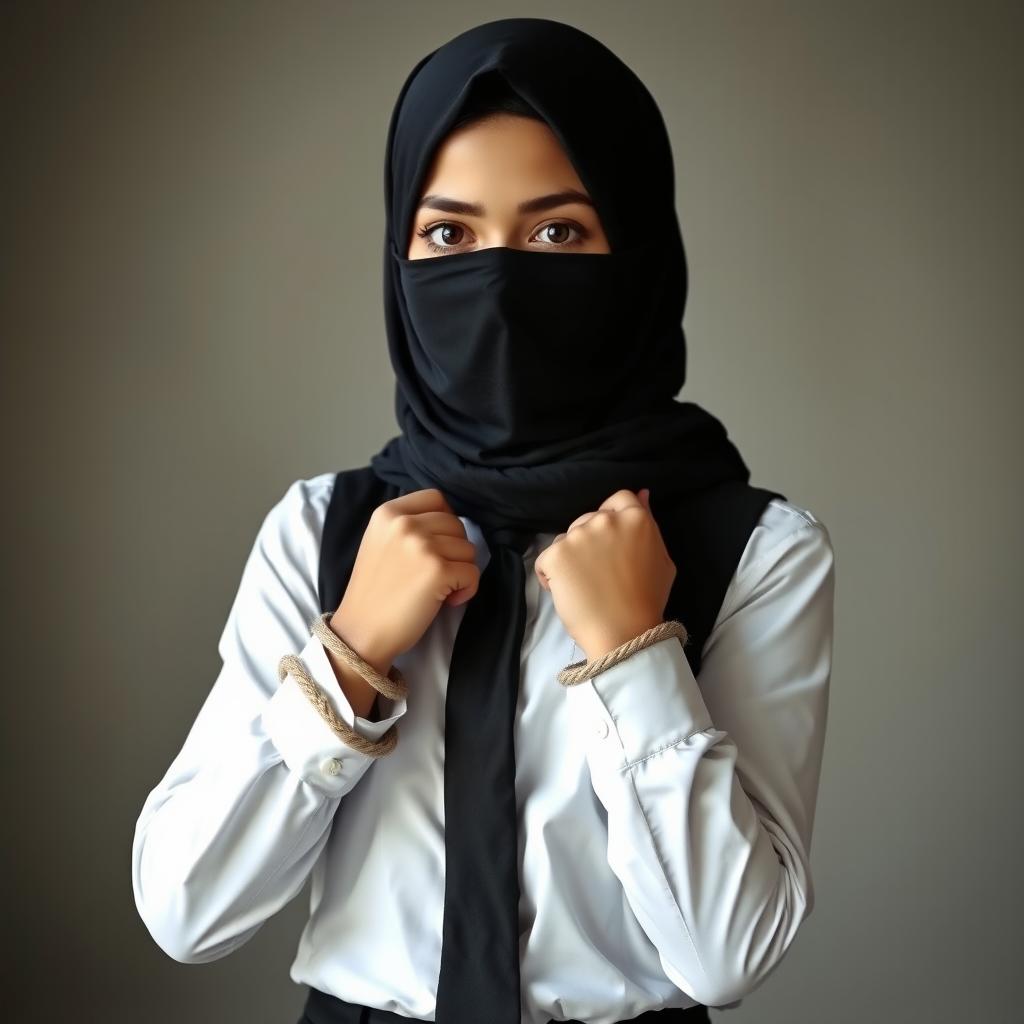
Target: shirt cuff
x,y
307,744
640,705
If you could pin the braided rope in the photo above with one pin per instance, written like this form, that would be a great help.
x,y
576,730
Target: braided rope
x,y
580,671
392,685
345,732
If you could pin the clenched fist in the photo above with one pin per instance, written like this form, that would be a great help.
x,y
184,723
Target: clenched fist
x,y
609,574
414,557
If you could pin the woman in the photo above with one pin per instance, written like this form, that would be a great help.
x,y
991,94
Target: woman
x,y
618,838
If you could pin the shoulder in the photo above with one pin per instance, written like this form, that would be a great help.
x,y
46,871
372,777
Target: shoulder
x,y
787,566
302,507
783,522
292,528
786,533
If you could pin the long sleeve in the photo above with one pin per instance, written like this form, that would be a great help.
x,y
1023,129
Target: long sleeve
x,y
230,833
710,789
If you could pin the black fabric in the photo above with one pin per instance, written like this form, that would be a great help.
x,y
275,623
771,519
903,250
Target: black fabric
x,y
529,387
322,1008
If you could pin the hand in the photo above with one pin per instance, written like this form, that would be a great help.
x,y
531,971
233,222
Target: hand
x,y
413,558
609,574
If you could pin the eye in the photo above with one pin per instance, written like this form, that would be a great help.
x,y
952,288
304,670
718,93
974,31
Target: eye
x,y
555,234
450,235
447,237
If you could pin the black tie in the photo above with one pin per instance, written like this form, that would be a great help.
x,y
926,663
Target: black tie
x,y
479,977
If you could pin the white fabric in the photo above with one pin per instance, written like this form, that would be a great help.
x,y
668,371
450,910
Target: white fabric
x,y
665,821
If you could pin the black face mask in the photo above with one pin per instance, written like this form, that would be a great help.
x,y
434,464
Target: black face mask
x,y
522,348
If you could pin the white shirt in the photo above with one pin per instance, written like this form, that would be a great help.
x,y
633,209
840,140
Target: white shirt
x,y
664,821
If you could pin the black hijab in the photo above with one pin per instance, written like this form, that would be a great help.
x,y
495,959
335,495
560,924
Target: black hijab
x,y
529,387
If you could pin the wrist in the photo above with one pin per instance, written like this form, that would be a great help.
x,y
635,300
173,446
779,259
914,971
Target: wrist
x,y
371,650
610,638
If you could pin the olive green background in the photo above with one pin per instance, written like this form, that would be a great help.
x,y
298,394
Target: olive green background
x,y
191,319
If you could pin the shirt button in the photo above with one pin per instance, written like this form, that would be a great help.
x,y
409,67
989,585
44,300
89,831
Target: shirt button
x,y
600,728
331,766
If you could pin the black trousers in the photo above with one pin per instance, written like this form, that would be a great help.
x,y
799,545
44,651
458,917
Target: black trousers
x,y
322,1008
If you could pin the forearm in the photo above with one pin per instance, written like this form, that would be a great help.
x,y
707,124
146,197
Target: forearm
x,y
360,694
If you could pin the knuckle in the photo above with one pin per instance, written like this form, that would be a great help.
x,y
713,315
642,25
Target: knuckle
x,y
414,543
402,527
383,513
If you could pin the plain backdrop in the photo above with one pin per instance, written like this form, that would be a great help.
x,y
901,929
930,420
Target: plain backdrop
x,y
192,218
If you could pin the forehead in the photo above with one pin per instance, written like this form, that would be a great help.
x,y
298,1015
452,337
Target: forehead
x,y
501,154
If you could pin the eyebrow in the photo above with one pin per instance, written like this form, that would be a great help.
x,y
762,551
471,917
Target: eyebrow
x,y
537,205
